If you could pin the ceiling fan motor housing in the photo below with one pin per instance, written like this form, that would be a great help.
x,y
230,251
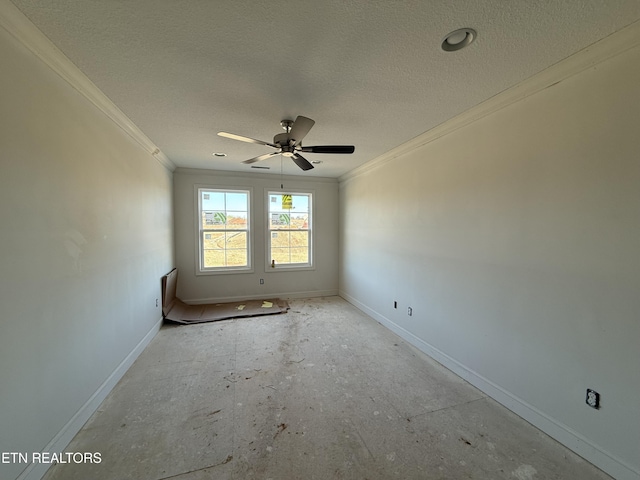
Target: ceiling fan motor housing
x,y
283,139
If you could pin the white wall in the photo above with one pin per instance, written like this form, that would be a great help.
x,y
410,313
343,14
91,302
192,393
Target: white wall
x,y
516,241
322,280
86,236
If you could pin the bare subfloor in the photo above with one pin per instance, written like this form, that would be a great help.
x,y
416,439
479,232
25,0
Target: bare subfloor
x,y
322,392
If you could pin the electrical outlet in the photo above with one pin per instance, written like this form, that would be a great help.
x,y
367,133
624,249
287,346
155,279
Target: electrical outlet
x,y
410,311
593,399
262,281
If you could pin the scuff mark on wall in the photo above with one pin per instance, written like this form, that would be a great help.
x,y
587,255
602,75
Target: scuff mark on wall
x,y
72,243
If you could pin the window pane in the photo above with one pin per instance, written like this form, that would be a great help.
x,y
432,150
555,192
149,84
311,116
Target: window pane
x,y
214,219
213,258
299,255
280,239
280,255
213,240
236,201
237,220
300,221
279,220
300,239
236,258
236,240
301,203
275,203
212,200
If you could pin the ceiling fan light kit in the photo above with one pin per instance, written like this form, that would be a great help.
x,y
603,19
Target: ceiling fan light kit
x,y
288,144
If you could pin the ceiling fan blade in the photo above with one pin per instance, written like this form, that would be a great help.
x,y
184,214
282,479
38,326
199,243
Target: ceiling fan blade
x,y
262,157
329,149
233,136
300,128
302,162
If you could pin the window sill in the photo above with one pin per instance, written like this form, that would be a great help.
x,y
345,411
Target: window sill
x,y
289,268
225,271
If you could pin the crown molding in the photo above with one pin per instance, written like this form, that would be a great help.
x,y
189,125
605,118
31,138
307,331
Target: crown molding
x,y
25,32
606,48
255,175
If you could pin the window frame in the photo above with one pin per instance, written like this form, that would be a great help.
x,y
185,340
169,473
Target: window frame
x,y
310,265
200,268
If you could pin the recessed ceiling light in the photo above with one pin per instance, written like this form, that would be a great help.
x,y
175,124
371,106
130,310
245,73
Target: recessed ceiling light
x,y
219,154
316,162
458,39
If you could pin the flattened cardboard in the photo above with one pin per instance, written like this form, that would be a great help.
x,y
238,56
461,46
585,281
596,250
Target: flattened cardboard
x,y
175,310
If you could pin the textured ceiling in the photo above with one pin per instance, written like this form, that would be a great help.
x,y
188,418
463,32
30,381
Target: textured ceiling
x,y
370,73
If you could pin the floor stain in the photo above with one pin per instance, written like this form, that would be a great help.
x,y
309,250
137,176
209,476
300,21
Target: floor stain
x,y
281,428
524,472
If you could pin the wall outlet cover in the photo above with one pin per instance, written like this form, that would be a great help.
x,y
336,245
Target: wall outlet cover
x,y
593,398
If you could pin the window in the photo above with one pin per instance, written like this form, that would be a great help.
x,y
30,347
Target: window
x,y
289,225
223,230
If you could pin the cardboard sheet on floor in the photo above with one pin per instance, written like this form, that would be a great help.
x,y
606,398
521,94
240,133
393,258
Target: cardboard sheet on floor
x,y
175,310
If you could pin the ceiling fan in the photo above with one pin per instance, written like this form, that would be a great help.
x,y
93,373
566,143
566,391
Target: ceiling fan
x,y
288,144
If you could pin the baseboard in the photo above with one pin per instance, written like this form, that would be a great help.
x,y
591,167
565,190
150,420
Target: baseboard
x,y
285,295
35,471
555,429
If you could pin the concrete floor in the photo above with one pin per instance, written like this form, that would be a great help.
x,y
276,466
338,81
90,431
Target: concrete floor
x,y
322,392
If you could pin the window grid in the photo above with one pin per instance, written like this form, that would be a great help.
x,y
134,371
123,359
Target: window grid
x,y
224,229
289,229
